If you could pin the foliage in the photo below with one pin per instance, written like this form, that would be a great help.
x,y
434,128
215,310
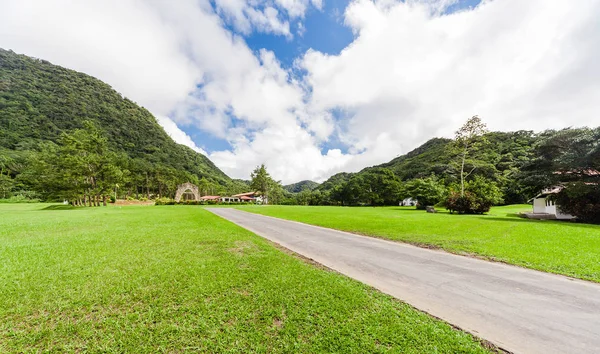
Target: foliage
x,y
261,182
468,137
477,196
549,246
181,279
581,200
40,102
20,198
499,160
301,186
569,158
427,191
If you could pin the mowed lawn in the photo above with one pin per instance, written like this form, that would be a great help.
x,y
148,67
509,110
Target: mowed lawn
x,y
180,279
553,246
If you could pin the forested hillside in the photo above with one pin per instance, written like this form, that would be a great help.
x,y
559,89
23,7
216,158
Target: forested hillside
x,y
40,102
301,186
512,164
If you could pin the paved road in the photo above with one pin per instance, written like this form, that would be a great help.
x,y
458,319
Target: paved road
x,y
520,310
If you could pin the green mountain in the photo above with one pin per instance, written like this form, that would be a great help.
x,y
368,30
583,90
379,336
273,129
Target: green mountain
x,y
301,186
40,101
500,154
499,159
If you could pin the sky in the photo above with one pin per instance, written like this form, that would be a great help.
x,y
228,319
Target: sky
x,y
315,87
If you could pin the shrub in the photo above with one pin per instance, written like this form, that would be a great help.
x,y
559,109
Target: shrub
x,y
480,195
164,201
20,198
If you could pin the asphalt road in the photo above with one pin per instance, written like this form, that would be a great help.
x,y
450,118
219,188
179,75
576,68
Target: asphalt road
x,y
520,310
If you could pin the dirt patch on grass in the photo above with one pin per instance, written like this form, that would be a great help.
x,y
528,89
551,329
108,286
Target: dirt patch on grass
x,y
243,248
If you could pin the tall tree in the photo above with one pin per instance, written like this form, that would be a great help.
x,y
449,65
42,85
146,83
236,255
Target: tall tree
x,y
262,182
569,158
467,138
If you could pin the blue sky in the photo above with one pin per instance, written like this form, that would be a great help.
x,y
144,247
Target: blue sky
x,y
324,31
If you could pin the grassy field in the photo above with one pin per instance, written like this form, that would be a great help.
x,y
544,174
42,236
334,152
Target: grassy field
x,y
177,279
552,246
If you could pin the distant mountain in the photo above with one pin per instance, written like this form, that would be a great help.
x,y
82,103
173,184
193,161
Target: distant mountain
x,y
39,101
301,186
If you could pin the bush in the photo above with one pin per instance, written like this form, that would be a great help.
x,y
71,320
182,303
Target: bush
x,y
581,200
19,199
480,195
164,201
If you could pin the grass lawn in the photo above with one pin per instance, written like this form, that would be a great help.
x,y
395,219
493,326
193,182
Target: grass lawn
x,y
552,246
177,279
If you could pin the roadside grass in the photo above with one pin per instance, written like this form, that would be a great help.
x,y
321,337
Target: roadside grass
x,y
552,246
178,279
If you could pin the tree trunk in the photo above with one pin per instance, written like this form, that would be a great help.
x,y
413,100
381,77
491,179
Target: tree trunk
x,y
104,200
462,173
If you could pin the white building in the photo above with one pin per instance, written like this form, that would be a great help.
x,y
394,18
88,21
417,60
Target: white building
x,y
544,205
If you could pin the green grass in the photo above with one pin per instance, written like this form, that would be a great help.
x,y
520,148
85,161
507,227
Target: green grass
x,y
179,279
552,246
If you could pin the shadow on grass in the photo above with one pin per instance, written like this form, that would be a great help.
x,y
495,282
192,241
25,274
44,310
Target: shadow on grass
x,y
413,209
59,207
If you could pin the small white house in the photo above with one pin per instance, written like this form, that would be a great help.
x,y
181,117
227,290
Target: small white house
x,y
408,202
544,205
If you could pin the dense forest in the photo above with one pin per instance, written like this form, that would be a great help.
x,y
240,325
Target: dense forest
x,y
44,108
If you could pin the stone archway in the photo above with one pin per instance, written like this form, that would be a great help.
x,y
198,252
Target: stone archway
x,y
183,188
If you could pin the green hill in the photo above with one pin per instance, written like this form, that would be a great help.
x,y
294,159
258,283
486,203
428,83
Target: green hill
x,y
499,159
301,186
40,101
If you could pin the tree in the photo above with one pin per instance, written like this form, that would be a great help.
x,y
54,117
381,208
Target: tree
x,y
381,187
427,191
262,182
569,158
6,182
467,138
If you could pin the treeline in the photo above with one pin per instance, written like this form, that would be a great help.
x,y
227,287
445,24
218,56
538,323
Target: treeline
x,y
82,169
499,168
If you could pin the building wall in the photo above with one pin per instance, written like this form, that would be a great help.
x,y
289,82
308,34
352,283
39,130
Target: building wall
x,y
539,205
544,205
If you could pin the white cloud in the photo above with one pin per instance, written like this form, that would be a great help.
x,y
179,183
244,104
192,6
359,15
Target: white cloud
x,y
264,16
178,135
415,74
245,17
410,74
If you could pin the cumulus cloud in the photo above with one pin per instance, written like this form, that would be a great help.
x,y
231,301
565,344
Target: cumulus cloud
x,y
264,16
413,72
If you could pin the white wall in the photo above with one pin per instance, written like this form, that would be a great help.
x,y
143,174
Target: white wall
x,y
539,205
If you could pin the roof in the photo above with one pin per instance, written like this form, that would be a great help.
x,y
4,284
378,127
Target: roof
x,y
210,197
248,194
245,197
